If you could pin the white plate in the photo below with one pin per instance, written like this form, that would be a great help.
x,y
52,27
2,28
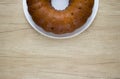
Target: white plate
x,y
63,36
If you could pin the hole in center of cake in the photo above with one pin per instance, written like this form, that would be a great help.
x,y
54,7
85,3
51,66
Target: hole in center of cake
x,y
60,4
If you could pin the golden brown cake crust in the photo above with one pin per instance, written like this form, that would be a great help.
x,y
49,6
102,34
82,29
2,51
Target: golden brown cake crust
x,y
60,22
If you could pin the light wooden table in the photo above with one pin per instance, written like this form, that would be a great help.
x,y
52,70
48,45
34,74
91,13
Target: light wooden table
x,y
26,54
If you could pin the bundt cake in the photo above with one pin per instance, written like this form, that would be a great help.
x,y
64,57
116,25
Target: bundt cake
x,y
60,21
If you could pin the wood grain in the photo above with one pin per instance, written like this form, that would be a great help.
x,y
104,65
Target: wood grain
x,y
26,54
